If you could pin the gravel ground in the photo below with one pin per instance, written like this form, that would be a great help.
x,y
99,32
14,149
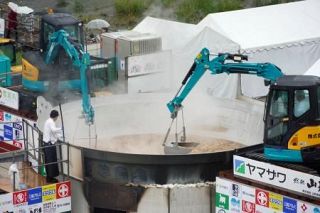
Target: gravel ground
x,y
152,144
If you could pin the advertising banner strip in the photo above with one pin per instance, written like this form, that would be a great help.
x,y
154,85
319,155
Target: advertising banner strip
x,y
263,172
232,196
48,198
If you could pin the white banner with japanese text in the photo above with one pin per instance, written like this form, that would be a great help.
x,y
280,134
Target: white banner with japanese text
x,y
285,178
149,63
9,98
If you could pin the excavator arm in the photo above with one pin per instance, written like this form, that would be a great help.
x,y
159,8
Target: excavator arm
x,y
218,65
80,59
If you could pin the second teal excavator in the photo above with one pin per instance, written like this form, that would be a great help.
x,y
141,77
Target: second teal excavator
x,y
292,112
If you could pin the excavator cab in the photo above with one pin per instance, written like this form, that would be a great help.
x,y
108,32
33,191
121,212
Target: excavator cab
x,y
53,22
41,77
292,119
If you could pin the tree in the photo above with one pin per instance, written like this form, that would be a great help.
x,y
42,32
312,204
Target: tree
x,y
78,7
62,3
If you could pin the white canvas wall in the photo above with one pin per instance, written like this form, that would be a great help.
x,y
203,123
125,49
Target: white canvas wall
x,y
293,60
287,35
314,69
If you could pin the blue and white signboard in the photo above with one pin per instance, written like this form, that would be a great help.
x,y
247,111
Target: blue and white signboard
x,y
8,132
35,196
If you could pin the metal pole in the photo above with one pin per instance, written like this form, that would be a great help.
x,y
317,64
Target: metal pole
x,y
68,156
40,151
62,123
169,200
33,145
14,181
24,137
63,138
27,137
61,158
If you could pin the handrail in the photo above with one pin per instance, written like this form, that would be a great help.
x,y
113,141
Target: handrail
x,y
38,149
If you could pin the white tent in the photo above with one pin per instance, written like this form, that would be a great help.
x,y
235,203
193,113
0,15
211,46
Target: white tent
x,y
173,34
186,41
287,35
314,69
218,85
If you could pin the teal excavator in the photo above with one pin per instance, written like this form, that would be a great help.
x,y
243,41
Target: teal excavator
x,y
291,132
60,63
57,63
80,59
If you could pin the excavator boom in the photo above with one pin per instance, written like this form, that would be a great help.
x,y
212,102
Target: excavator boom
x,y
217,65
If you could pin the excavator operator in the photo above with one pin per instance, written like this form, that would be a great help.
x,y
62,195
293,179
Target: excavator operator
x,y
301,104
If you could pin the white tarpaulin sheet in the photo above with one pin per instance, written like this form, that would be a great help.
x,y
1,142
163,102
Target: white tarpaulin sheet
x,y
186,41
287,35
270,26
294,60
314,69
173,34
220,85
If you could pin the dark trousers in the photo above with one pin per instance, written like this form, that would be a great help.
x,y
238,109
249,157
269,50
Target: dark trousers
x,y
8,33
50,156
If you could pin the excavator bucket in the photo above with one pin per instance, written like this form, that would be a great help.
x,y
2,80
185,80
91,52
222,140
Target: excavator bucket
x,y
179,145
179,148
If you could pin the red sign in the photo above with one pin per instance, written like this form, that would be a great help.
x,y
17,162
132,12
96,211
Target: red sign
x,y
304,207
63,189
17,144
262,198
1,115
248,207
20,197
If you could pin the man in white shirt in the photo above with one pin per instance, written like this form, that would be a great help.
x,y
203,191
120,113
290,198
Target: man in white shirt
x,y
51,135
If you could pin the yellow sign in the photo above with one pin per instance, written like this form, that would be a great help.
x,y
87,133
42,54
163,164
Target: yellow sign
x,y
306,136
29,71
48,192
275,201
